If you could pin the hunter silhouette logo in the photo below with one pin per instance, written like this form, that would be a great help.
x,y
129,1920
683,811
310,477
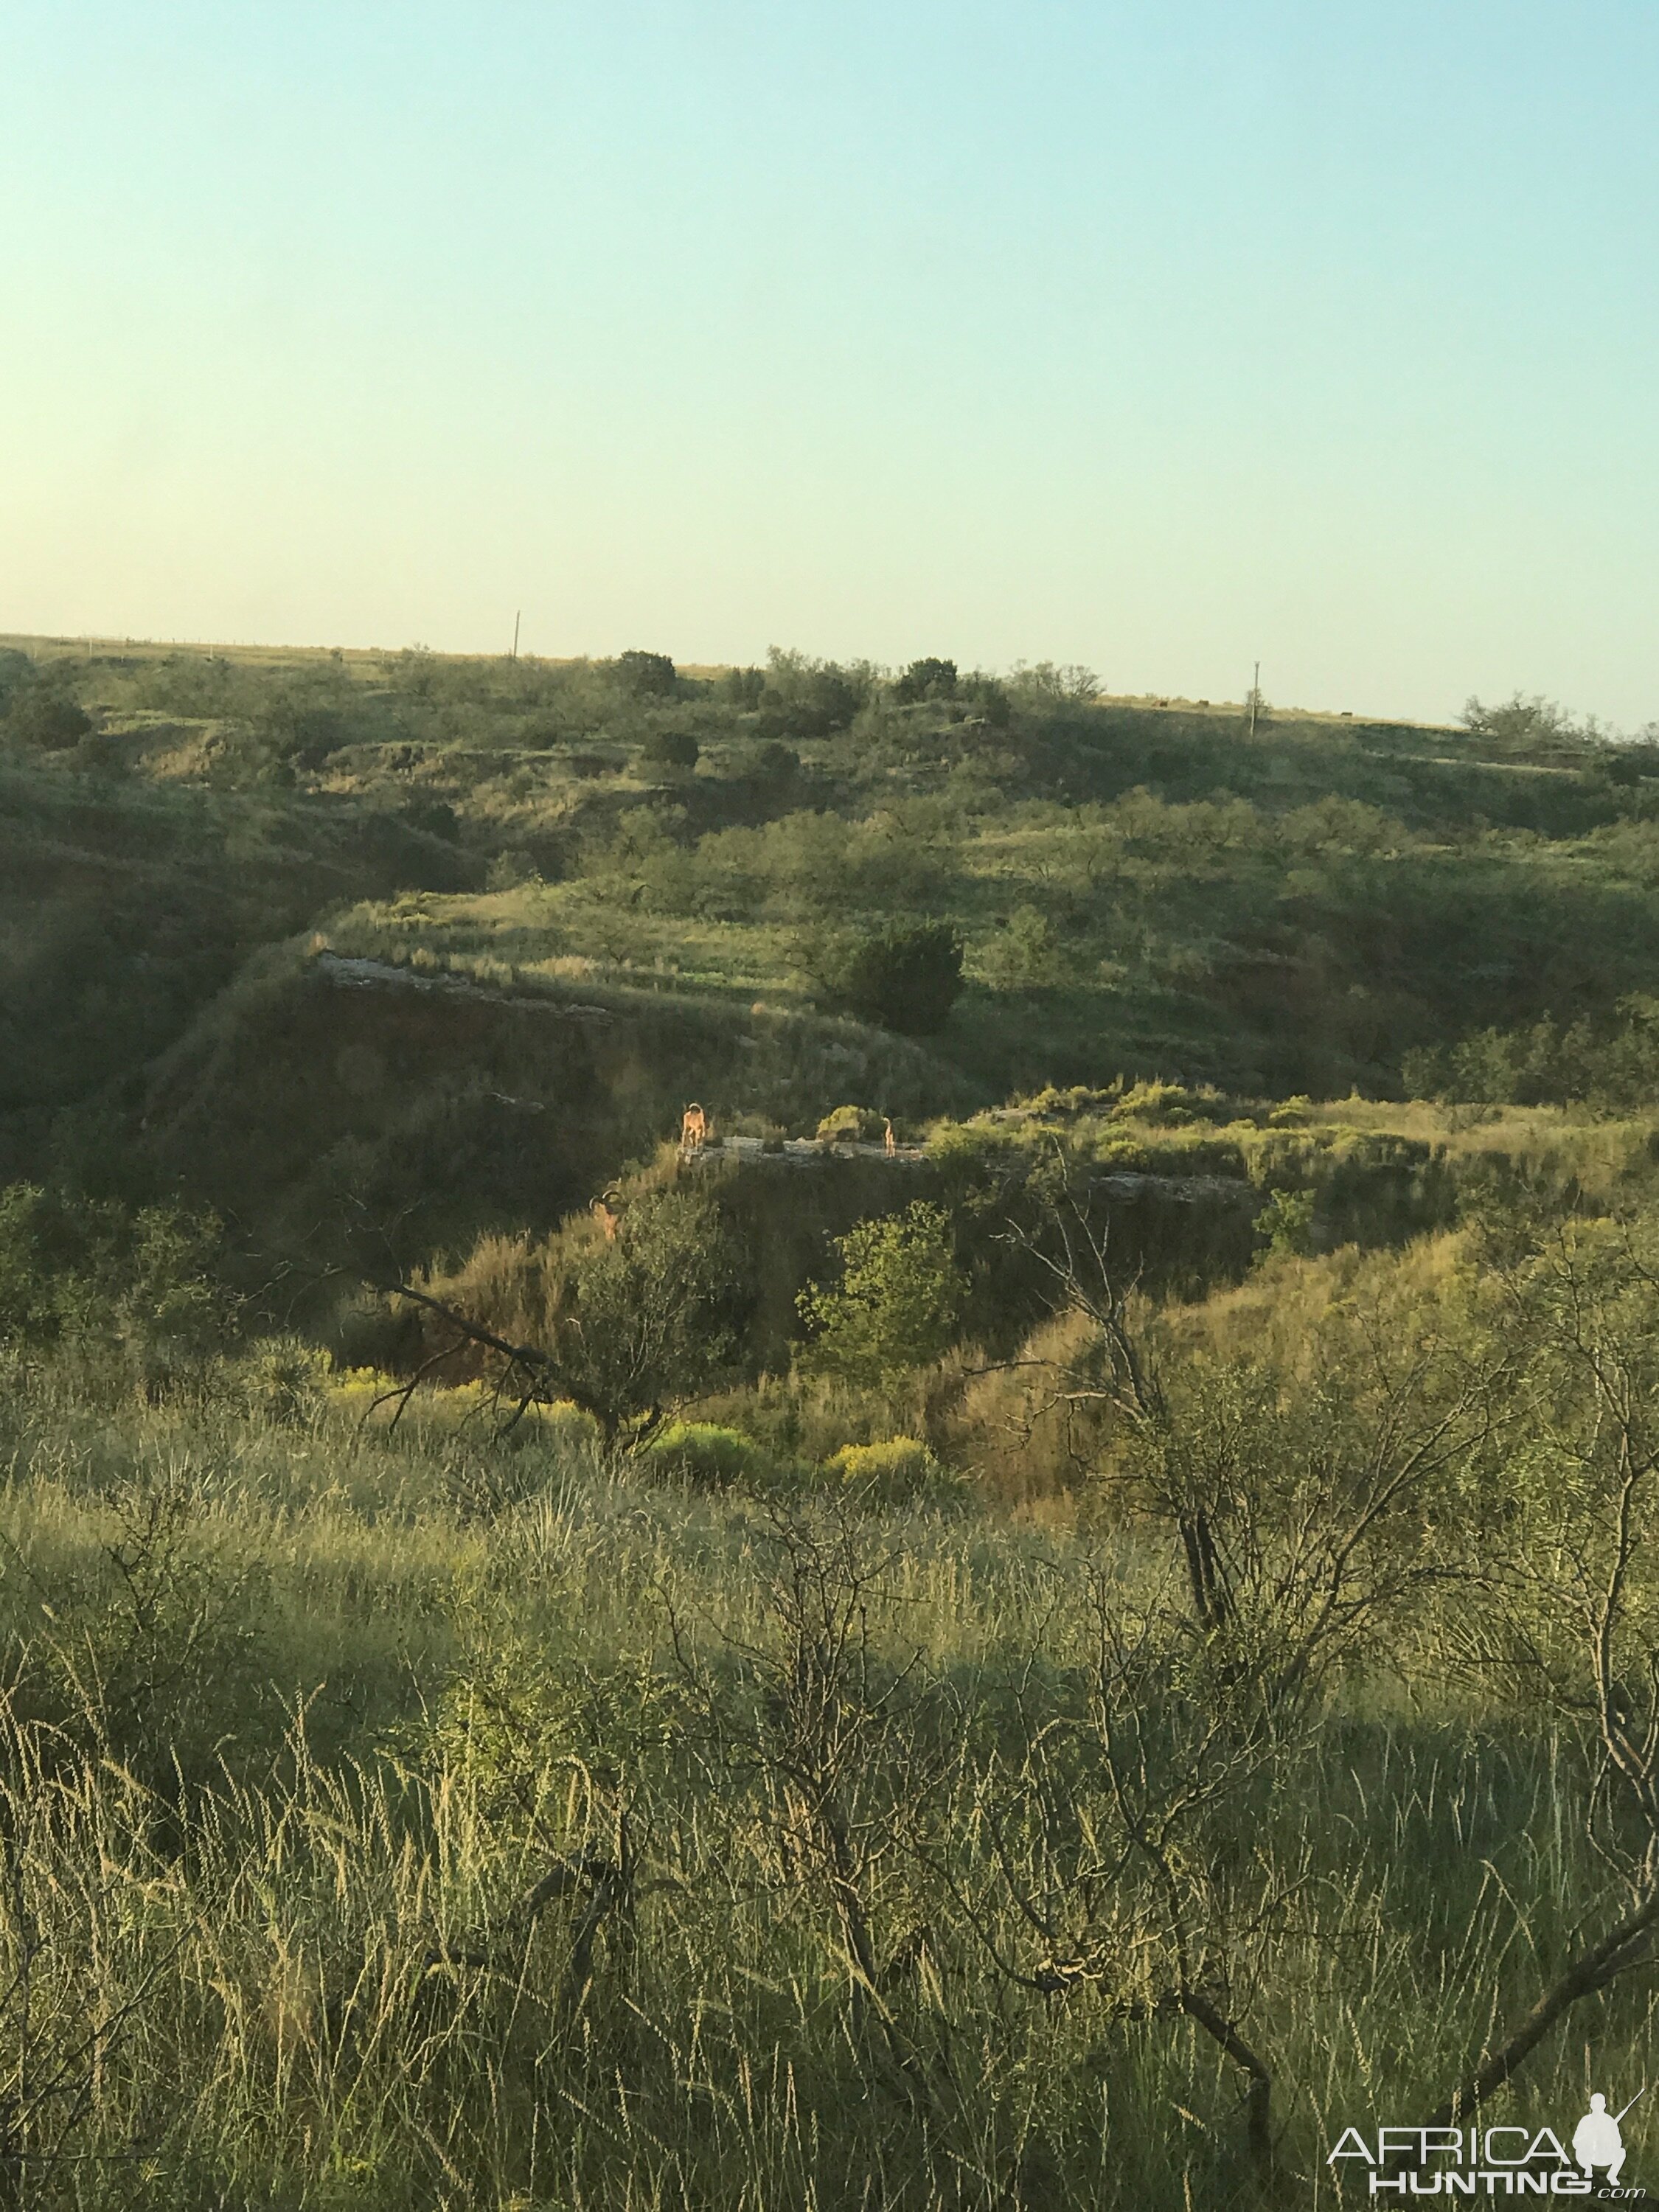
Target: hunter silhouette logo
x,y
1507,2161
1596,2140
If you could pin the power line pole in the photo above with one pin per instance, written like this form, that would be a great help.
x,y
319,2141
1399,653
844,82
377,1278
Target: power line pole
x,y
517,619
1255,695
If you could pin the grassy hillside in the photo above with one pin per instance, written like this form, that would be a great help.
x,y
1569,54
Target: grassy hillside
x,y
127,904
1061,1612
1143,889
319,1091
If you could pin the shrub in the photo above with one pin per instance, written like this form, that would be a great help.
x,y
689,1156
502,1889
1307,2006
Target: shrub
x,y
91,1271
1286,1222
852,1125
282,1379
475,1406
905,974
805,699
704,1453
16,670
645,675
432,818
926,679
896,1304
43,712
652,1319
775,763
1025,954
742,688
153,1650
898,1468
1170,1104
302,732
670,749
989,701
509,869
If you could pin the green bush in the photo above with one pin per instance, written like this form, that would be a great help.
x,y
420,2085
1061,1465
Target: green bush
x,y
852,1125
773,762
1612,1066
906,975
645,675
670,749
1171,1103
742,688
284,1380
43,712
150,1649
1286,1222
303,732
142,1284
926,679
652,1319
1025,954
896,1304
704,1454
805,699
894,1470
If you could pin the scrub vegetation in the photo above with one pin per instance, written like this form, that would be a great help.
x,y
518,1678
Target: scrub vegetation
x,y
1054,1608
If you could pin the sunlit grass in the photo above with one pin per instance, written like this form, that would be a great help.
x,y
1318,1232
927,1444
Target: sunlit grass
x,y
303,1961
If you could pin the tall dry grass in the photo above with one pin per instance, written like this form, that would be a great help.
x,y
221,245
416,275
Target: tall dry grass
x,y
458,1865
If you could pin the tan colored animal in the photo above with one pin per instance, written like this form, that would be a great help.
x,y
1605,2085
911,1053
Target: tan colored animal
x,y
889,1142
694,1129
607,1211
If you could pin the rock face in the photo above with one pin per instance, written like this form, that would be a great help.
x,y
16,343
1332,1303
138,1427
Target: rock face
x,y
352,972
809,1152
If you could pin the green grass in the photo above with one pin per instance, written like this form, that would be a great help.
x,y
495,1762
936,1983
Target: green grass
x,y
293,1970
1142,890
302,1711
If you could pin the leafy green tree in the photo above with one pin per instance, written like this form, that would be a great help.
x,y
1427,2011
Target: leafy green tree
x,y
645,675
742,688
43,712
1286,1222
905,974
1025,954
651,1319
1520,722
896,1304
926,679
805,699
15,671
90,1271
670,749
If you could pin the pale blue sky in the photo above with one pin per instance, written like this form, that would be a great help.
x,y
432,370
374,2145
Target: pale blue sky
x,y
1156,337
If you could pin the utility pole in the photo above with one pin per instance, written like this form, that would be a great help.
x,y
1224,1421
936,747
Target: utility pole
x,y
517,619
1255,695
